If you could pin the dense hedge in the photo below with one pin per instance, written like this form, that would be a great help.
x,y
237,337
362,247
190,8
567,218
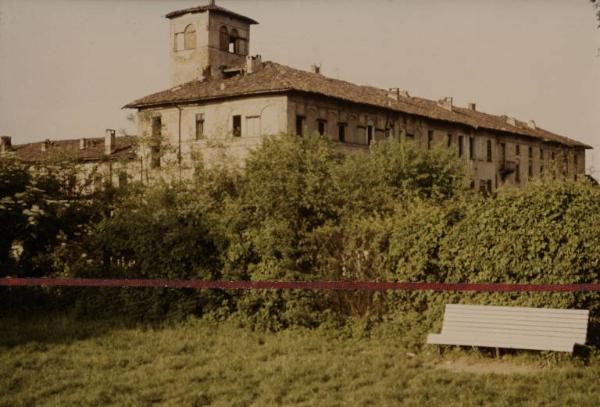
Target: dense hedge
x,y
302,210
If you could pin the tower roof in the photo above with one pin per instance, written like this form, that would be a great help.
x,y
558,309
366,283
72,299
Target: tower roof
x,y
212,7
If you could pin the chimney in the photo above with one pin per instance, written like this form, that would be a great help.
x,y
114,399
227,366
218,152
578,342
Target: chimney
x,y
472,106
5,144
446,103
109,141
315,68
253,63
82,144
45,144
531,125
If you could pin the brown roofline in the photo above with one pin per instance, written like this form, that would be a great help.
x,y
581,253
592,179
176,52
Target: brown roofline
x,y
210,8
140,106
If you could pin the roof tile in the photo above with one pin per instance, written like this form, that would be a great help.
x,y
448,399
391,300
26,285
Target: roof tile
x,y
274,77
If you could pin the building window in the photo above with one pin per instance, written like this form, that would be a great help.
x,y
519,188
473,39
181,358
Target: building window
x,y
299,125
552,156
460,145
389,131
471,148
233,47
199,126
321,127
123,179
517,150
429,139
253,128
410,137
179,42
489,151
502,153
530,170
541,153
224,39
342,132
530,152
482,186
541,170
449,140
189,33
369,134
237,126
155,142
517,173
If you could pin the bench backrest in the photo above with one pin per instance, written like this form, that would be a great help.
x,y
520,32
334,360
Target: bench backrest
x,y
545,323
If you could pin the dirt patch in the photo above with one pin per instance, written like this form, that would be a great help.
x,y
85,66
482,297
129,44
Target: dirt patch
x,y
464,365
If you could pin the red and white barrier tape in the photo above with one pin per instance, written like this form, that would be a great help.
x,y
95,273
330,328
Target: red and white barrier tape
x,y
298,285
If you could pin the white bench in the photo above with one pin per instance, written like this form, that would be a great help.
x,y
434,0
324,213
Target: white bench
x,y
512,327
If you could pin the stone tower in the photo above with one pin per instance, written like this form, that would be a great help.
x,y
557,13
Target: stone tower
x,y
207,41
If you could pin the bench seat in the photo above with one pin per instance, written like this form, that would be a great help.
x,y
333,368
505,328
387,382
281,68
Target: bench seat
x,y
512,327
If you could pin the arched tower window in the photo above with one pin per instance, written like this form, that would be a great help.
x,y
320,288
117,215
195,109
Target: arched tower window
x,y
189,41
224,39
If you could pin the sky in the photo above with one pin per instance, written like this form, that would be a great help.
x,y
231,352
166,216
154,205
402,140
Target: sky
x,y
68,66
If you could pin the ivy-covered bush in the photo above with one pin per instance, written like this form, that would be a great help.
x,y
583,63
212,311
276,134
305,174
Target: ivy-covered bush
x,y
302,210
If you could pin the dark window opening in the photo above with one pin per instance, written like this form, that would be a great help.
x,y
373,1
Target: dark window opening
x,y
541,170
489,186
155,142
530,153
517,173
482,186
575,159
541,153
389,132
233,46
530,170
552,156
224,39
489,151
429,139
449,140
369,134
517,150
471,148
502,153
299,125
237,126
199,126
461,140
123,179
342,132
321,127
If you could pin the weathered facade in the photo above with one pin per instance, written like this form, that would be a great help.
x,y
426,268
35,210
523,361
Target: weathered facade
x,y
223,98
99,160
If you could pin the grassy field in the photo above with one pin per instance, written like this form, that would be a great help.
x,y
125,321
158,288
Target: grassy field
x,y
60,362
